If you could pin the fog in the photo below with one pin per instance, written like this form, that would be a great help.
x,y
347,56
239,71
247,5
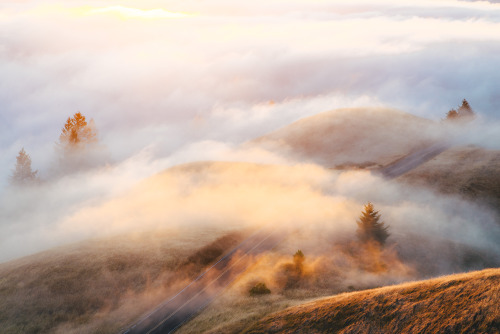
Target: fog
x,y
230,72
192,103
306,197
193,81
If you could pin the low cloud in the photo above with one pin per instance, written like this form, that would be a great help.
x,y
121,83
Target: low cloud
x,y
307,198
211,75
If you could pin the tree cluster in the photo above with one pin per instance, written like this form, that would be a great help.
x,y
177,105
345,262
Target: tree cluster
x,y
292,273
76,135
463,112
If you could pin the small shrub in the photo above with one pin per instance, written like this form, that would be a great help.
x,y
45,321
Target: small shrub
x,y
259,289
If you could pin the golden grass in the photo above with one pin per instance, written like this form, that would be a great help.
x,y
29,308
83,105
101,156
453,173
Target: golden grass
x,y
102,285
462,303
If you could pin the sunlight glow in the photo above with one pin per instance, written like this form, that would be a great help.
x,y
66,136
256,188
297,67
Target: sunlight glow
x,y
127,12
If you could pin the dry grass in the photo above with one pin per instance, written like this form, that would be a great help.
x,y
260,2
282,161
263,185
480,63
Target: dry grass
x,y
100,286
357,137
463,303
346,267
470,171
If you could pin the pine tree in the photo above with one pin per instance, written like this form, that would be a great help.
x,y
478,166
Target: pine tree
x,y
298,261
77,132
78,147
465,109
452,114
369,226
23,174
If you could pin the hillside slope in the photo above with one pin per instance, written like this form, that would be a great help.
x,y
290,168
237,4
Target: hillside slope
x,y
102,285
470,171
366,137
463,303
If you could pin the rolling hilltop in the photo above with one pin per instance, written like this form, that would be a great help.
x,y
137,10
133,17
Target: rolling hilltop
x,y
361,137
372,138
463,303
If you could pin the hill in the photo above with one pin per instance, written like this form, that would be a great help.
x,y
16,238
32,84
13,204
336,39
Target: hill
x,y
372,138
361,137
101,285
463,303
470,171
104,284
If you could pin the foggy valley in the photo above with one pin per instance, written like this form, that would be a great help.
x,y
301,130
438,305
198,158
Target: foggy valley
x,y
231,168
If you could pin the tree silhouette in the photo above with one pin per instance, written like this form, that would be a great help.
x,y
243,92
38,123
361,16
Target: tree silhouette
x,y
23,174
463,113
298,262
465,110
369,226
291,273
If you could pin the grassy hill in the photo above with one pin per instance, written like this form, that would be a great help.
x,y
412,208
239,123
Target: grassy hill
x,y
470,171
463,303
99,286
375,137
362,137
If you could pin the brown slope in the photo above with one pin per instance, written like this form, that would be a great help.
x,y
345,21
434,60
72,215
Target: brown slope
x,y
100,286
463,303
366,137
470,171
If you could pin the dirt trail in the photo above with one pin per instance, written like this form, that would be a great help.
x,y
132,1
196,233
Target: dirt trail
x,y
412,161
171,314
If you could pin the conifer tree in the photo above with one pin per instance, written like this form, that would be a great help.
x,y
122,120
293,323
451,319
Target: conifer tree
x,y
370,228
78,145
452,114
23,174
465,109
77,132
298,261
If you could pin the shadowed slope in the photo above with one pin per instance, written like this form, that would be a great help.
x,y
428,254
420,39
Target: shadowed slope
x,y
463,303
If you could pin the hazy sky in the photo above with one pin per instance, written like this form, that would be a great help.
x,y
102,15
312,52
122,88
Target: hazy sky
x,y
168,82
163,75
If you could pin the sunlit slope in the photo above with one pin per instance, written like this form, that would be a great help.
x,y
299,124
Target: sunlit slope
x,y
99,286
470,171
463,303
363,137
